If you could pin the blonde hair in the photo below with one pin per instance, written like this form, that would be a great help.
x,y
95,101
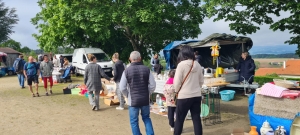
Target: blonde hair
x,y
115,56
91,57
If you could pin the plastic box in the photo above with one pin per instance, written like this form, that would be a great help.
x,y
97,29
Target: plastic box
x,y
227,95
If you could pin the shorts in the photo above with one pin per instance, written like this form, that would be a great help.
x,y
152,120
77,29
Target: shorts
x,y
34,79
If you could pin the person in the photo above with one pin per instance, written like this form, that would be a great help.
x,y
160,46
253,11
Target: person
x,y
46,68
118,69
197,57
246,68
19,70
154,61
169,93
66,63
187,83
141,84
31,72
92,79
55,62
61,61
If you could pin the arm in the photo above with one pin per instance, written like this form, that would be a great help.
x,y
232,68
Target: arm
x,y
201,78
24,70
152,61
86,72
252,65
178,78
115,72
238,67
38,69
123,85
102,73
51,67
152,84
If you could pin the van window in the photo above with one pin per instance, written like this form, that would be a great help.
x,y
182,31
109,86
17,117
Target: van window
x,y
101,57
84,59
69,58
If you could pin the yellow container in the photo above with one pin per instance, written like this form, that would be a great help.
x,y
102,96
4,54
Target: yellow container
x,y
219,71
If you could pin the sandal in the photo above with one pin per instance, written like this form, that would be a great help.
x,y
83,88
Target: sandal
x,y
38,94
33,95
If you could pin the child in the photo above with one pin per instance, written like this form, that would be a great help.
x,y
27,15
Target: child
x,y
169,93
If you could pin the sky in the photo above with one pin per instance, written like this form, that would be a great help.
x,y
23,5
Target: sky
x,y
27,9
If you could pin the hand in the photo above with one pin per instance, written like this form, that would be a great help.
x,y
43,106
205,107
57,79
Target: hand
x,y
111,79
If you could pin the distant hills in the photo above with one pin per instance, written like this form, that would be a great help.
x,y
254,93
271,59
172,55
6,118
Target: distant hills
x,y
276,49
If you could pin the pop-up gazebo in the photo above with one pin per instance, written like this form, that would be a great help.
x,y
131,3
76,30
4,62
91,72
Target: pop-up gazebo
x,y
230,52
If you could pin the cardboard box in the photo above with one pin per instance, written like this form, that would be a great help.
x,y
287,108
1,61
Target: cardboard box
x,y
111,102
239,131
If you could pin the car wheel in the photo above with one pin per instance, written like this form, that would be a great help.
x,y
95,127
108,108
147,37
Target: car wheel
x,y
10,72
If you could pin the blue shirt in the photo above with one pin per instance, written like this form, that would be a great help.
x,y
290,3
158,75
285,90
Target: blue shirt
x,y
31,68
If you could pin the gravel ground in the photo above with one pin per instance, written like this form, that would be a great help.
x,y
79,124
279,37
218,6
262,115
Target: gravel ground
x,y
71,114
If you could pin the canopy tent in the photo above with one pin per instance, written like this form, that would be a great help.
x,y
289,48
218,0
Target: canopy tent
x,y
230,52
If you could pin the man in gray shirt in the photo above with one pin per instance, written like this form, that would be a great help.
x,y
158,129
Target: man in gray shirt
x,y
141,84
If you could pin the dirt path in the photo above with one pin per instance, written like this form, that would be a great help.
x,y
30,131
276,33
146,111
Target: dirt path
x,y
71,115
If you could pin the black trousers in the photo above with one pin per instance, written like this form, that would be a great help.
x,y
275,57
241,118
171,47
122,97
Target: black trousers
x,y
182,108
171,112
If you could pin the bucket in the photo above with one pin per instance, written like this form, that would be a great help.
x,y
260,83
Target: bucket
x,y
227,95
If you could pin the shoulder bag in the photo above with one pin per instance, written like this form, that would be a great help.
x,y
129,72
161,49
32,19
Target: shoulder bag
x,y
183,83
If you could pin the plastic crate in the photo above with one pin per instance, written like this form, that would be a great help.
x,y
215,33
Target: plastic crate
x,y
227,95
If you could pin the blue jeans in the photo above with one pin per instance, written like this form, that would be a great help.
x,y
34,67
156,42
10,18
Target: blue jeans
x,y
21,79
134,119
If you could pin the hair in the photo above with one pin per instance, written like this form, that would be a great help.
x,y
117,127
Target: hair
x,y
135,55
155,56
115,56
65,58
20,56
172,73
196,53
246,53
91,57
186,52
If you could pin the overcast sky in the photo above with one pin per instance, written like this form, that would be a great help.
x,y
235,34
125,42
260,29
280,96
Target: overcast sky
x,y
27,9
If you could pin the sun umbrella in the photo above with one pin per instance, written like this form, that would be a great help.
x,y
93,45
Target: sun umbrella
x,y
3,54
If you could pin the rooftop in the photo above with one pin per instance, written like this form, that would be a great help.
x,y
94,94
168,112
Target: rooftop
x,y
292,68
8,50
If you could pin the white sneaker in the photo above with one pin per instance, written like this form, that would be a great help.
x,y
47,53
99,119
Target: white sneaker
x,y
172,129
119,108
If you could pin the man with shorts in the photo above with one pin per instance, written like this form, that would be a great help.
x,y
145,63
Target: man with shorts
x,y
31,72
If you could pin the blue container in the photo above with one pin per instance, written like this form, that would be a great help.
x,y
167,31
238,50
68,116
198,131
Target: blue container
x,y
87,95
227,95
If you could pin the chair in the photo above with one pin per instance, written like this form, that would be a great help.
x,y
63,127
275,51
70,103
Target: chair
x,y
66,75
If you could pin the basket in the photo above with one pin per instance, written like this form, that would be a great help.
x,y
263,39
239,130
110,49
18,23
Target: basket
x,y
283,83
227,95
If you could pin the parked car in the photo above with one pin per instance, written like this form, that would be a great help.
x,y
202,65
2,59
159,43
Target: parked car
x,y
80,60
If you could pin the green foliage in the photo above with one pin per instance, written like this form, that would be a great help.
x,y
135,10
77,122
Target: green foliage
x,y
12,44
265,79
117,26
25,50
287,55
7,19
246,16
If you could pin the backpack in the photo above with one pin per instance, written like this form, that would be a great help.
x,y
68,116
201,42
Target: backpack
x,y
41,58
19,66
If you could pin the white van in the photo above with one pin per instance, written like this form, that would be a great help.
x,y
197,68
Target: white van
x,y
80,60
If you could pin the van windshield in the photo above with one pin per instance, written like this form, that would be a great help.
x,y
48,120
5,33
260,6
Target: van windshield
x,y
101,57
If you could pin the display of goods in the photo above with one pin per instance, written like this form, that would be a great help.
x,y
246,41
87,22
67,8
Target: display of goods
x,y
265,128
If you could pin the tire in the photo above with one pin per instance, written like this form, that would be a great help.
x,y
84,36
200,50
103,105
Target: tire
x,y
10,73
76,72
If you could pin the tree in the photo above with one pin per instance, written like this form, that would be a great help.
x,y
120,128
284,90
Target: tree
x,y
7,19
26,50
146,25
246,16
12,44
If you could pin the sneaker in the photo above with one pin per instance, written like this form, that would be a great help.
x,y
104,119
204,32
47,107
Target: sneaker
x,y
172,129
22,87
47,94
94,107
120,108
51,92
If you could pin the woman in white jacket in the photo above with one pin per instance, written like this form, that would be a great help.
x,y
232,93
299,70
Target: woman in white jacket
x,y
187,83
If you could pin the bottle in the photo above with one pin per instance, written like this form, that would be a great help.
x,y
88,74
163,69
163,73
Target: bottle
x,y
158,99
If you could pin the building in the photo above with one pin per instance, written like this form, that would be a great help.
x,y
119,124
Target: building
x,y
11,56
289,69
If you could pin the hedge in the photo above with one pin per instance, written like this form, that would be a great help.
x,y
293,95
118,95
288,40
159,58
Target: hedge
x,y
264,79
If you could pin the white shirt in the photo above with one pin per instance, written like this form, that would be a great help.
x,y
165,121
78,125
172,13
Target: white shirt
x,y
56,62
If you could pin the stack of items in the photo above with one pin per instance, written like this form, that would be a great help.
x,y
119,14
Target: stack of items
x,y
276,103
